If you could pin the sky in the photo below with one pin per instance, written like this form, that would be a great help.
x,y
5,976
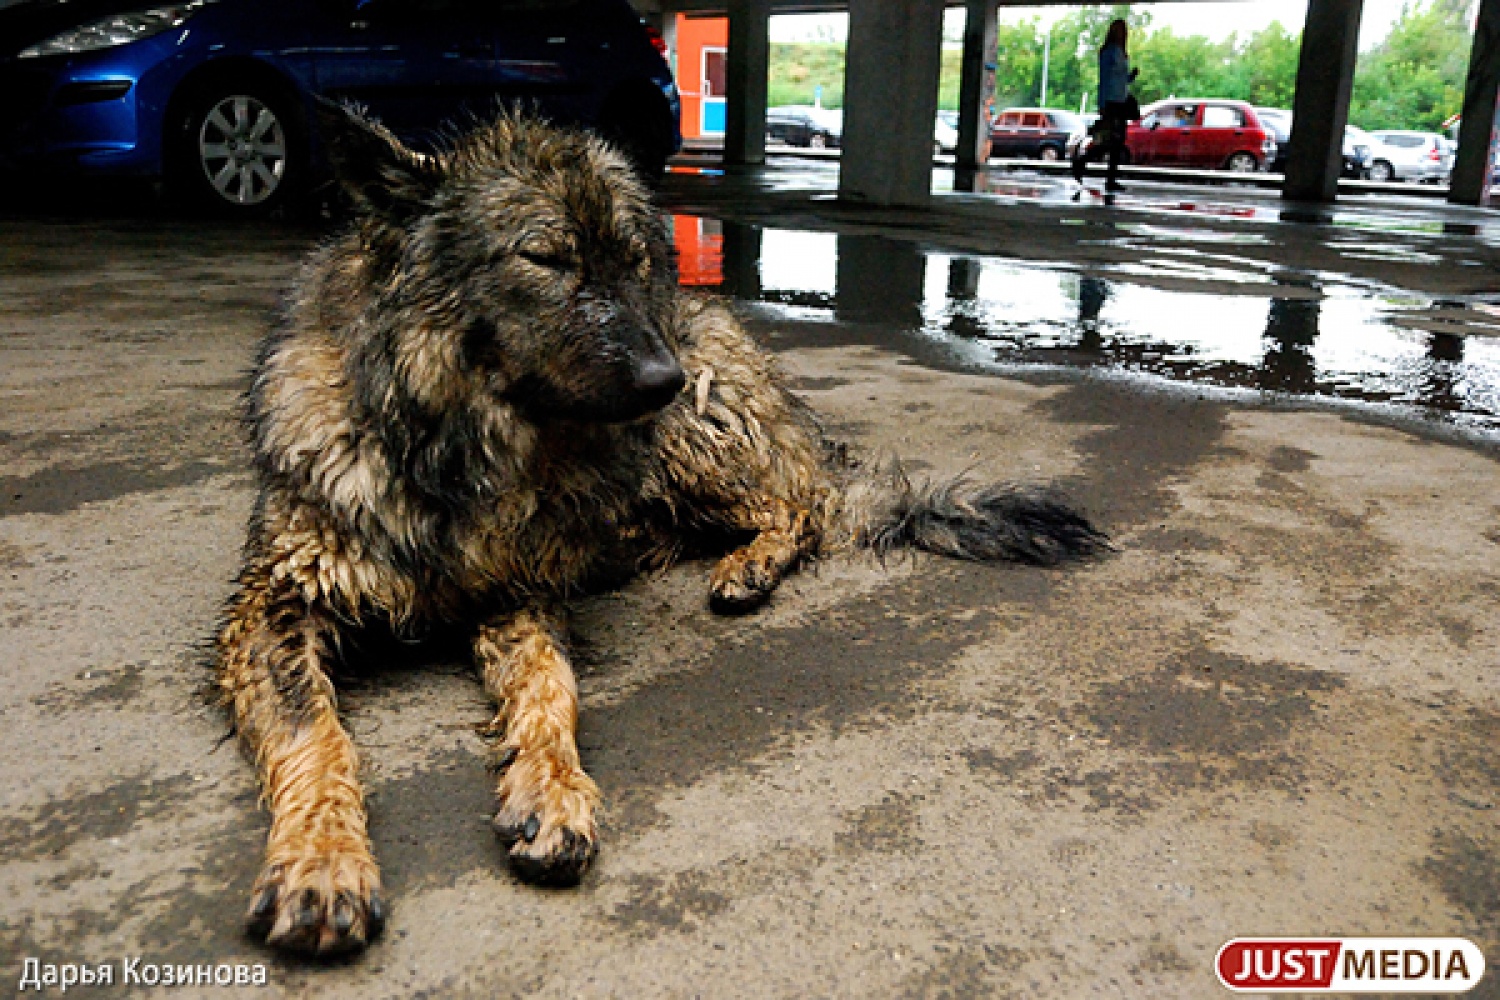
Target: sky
x,y
1215,20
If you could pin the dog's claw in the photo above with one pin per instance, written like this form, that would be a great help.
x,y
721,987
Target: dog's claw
x,y
564,865
375,913
531,829
300,907
262,913
736,600
505,760
343,913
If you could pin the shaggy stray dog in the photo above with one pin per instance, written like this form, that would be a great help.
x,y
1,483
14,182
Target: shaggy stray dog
x,y
489,395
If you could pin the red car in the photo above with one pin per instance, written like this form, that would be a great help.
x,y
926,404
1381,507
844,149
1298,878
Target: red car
x,y
1203,133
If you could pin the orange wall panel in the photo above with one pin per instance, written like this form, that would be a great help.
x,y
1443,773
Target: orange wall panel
x,y
693,35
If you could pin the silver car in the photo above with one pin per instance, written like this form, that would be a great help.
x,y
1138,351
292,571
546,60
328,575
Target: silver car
x,y
1401,155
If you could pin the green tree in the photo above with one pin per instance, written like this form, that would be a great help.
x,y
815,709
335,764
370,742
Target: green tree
x,y
1263,70
1415,78
797,69
1181,66
1018,63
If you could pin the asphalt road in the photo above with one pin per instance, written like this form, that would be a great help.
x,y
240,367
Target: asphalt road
x,y
1273,711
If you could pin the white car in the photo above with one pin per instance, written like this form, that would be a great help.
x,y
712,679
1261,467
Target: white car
x,y
945,132
1401,155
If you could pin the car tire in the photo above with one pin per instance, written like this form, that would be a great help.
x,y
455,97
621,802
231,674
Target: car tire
x,y
239,150
1050,153
1381,171
1242,163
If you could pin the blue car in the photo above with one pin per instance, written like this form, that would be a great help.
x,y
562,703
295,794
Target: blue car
x,y
217,96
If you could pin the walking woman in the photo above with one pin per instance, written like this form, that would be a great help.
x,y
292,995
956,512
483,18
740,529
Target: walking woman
x,y
1115,76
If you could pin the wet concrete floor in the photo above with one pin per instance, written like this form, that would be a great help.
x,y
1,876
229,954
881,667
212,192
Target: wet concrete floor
x,y
1274,711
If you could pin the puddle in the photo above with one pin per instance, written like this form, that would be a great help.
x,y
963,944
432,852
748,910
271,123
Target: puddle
x,y
1252,326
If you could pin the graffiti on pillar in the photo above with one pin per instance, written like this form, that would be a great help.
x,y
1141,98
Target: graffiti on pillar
x,y
986,111
1487,193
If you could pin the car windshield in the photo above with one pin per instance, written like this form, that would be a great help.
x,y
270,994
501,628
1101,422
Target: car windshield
x,y
1067,120
1278,121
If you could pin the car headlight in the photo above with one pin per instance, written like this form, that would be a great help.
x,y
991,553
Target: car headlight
x,y
120,29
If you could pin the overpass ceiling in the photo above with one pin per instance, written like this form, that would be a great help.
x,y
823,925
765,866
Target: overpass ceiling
x,y
835,7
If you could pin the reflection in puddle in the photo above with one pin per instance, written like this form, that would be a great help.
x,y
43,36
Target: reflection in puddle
x,y
1260,327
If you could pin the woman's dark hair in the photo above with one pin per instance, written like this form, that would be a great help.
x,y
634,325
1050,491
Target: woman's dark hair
x,y
1118,32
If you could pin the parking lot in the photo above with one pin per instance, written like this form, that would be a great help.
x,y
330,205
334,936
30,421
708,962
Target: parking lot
x,y
1272,711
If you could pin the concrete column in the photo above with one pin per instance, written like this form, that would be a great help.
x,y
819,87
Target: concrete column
x,y
1325,78
963,279
880,280
746,79
1469,167
668,29
976,87
890,99
741,248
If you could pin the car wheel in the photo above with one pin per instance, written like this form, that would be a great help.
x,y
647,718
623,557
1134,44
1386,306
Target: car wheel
x,y
1242,163
240,150
1381,171
1050,153
817,141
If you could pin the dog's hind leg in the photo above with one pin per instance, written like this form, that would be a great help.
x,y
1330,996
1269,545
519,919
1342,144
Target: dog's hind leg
x,y
744,579
319,888
546,801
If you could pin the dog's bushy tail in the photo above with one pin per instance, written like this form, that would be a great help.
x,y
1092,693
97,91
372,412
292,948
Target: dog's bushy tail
x,y
966,520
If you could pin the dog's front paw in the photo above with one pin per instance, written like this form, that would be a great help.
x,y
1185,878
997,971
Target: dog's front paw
x,y
546,818
741,582
318,905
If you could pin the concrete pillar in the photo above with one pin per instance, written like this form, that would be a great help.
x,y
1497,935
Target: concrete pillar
x,y
1291,332
1325,78
746,78
963,279
976,87
668,29
1480,119
741,248
880,280
890,99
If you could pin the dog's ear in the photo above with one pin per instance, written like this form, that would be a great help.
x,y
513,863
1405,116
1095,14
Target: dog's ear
x,y
382,176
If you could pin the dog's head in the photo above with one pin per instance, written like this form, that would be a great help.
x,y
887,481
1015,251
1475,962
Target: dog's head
x,y
536,250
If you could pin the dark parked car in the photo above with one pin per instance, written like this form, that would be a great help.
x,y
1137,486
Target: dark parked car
x,y
217,96
805,125
1201,133
1356,151
1033,133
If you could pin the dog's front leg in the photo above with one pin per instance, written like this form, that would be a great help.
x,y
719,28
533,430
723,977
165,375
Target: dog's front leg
x,y
319,888
744,579
546,801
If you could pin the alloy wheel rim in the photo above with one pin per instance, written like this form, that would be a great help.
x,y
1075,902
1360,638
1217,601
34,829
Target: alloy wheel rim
x,y
242,150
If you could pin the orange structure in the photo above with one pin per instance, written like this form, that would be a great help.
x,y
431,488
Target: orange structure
x,y
700,251
700,57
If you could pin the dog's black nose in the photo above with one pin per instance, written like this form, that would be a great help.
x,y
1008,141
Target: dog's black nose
x,y
658,381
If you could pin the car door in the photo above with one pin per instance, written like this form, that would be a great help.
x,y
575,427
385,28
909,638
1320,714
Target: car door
x,y
1163,134
1005,137
1174,138
1219,133
1029,143
417,65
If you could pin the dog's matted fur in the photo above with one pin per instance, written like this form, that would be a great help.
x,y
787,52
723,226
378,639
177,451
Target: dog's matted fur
x,y
489,395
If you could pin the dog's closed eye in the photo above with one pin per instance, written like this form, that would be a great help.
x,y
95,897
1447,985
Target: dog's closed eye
x,y
550,257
